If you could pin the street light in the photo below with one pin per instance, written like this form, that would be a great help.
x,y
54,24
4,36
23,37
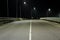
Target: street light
x,y
24,2
20,8
49,9
34,8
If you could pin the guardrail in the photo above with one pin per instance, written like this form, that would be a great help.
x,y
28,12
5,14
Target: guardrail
x,y
4,21
52,19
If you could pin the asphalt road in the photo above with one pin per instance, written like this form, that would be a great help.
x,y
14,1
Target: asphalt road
x,y
30,30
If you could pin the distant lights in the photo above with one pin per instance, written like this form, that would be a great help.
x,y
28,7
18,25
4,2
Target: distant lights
x,y
24,2
49,9
34,8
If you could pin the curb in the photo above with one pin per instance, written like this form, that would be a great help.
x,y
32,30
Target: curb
x,y
52,21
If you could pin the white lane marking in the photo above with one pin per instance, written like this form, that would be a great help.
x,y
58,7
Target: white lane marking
x,y
30,30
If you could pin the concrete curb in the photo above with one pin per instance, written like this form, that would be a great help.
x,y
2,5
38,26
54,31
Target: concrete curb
x,y
51,21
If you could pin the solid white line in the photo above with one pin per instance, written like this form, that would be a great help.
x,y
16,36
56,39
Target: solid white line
x,y
30,30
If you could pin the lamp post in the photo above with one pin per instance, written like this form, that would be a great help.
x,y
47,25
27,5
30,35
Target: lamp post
x,y
7,10
48,11
20,11
25,7
16,8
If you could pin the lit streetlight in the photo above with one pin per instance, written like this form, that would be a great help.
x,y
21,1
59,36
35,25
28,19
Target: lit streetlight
x,y
48,12
49,9
24,2
34,8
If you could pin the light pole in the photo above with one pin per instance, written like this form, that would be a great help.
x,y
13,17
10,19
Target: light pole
x,y
25,5
16,8
48,11
33,12
21,7
20,11
7,10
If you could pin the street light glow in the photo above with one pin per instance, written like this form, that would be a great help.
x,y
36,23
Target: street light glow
x,y
49,9
34,8
24,2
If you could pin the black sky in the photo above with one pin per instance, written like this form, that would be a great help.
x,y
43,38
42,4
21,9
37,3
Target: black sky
x,y
41,5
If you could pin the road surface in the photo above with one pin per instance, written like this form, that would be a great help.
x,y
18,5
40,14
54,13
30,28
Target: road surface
x,y
30,30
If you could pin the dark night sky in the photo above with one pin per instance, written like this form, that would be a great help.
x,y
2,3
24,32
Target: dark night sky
x,y
45,4
41,5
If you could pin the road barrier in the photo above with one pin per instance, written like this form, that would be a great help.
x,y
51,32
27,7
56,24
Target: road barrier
x,y
4,21
52,19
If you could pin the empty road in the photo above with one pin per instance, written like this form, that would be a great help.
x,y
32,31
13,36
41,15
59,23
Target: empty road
x,y
30,30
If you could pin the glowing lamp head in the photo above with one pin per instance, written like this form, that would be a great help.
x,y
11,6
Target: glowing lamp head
x,y
24,2
49,9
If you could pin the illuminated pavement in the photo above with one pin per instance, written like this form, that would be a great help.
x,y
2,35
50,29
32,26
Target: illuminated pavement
x,y
30,30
